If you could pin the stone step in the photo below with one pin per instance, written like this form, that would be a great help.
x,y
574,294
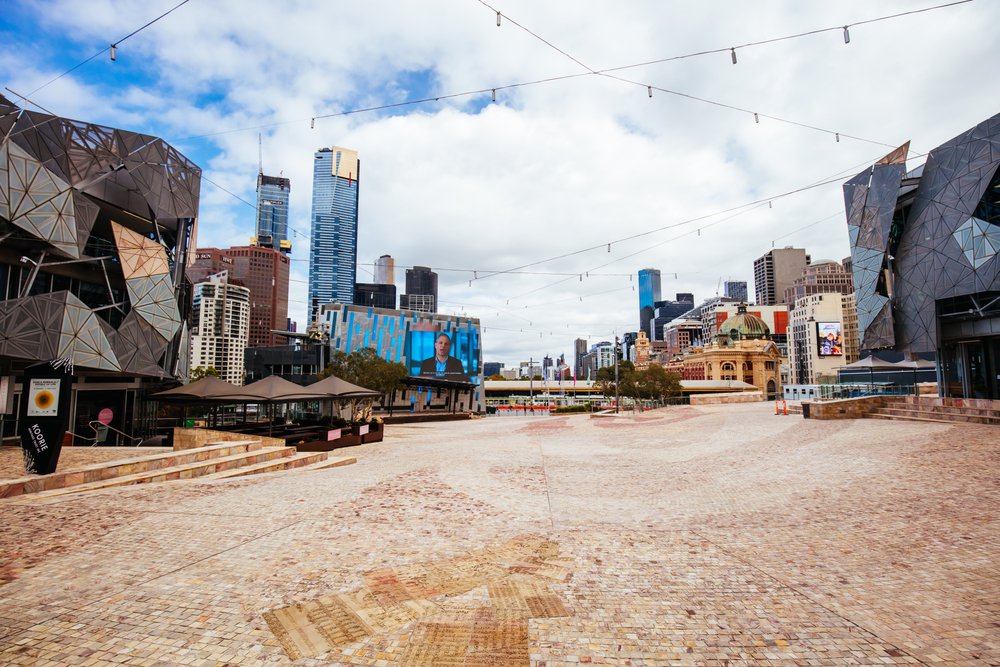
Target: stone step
x,y
330,462
950,409
947,417
114,469
187,471
872,415
297,460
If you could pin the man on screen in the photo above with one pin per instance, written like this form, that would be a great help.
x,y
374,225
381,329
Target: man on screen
x,y
442,364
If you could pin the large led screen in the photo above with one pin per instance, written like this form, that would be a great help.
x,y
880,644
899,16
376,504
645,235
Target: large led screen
x,y
452,355
830,338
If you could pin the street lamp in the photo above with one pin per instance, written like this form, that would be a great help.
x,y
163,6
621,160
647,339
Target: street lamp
x,y
616,374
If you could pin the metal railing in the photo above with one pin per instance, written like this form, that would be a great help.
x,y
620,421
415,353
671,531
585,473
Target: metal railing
x,y
829,392
101,434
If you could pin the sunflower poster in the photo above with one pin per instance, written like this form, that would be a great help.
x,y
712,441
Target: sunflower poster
x,y
43,397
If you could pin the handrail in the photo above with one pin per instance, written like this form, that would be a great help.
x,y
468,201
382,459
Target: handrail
x,y
97,433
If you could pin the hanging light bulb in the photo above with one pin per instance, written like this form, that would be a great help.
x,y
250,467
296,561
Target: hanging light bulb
x,y
847,35
581,277
756,118
838,137
770,204
649,89
733,52
494,94
312,124
498,19
609,250
114,52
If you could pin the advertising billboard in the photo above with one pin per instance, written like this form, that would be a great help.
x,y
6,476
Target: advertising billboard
x,y
452,355
830,338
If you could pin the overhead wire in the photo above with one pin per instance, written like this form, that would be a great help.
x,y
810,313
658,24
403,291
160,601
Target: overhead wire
x,y
111,47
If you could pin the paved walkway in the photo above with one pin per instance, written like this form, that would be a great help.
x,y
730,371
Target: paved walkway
x,y
686,536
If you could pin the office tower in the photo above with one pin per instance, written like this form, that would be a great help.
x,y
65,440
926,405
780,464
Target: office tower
x,y
333,251
219,327
385,271
272,212
775,272
649,294
491,368
735,289
821,277
422,303
421,283
374,295
666,311
264,271
579,351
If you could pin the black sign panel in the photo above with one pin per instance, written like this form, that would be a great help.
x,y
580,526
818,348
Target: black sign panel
x,y
44,414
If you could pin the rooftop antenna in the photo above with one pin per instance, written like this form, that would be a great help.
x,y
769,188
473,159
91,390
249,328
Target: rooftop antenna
x,y
260,154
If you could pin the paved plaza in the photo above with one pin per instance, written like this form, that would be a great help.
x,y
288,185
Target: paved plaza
x,y
717,535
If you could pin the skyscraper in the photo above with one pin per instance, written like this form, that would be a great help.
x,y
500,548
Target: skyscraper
x,y
421,283
272,212
385,270
333,252
649,294
775,272
735,289
264,271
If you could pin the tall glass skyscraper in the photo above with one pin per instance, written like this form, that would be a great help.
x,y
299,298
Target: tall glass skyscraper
x,y
649,287
333,252
272,212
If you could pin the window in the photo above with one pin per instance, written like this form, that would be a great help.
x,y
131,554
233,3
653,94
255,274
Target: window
x,y
727,371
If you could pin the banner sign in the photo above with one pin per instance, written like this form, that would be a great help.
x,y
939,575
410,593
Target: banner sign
x,y
44,414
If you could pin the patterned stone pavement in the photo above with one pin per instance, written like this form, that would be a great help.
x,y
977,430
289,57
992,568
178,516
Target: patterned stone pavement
x,y
717,535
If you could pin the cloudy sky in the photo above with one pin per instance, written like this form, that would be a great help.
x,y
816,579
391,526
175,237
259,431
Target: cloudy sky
x,y
536,209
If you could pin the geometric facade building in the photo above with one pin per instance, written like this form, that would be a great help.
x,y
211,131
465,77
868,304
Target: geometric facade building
x,y
333,246
95,227
924,249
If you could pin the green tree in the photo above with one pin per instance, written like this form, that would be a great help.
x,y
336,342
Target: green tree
x,y
626,386
655,383
202,371
367,369
497,376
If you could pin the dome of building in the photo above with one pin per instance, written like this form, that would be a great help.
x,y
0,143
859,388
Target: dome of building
x,y
744,326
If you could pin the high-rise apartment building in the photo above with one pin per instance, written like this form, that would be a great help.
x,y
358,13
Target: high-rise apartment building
x,y
421,283
385,270
220,322
775,272
272,212
333,251
735,289
264,271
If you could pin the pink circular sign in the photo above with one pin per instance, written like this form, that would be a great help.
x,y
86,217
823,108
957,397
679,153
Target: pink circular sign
x,y
105,416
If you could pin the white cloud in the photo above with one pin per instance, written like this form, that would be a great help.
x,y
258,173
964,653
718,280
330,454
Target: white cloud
x,y
550,168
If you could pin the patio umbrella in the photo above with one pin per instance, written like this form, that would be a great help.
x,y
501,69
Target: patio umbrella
x,y
916,365
272,389
209,388
872,363
334,387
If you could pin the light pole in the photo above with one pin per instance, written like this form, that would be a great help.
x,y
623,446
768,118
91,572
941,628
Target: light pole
x,y
531,383
616,374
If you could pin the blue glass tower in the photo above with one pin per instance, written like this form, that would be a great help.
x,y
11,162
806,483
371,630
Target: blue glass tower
x,y
272,212
649,287
649,294
333,252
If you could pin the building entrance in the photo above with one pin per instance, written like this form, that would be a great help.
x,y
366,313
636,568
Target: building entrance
x,y
971,368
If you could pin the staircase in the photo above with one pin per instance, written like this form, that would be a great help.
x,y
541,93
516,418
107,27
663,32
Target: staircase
x,y
939,410
214,461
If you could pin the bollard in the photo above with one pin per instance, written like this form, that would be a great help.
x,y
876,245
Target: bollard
x,y
784,405
776,408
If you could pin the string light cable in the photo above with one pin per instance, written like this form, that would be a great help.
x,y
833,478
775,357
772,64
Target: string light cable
x,y
112,48
491,90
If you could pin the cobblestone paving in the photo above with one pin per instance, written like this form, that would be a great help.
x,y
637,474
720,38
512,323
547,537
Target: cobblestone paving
x,y
717,535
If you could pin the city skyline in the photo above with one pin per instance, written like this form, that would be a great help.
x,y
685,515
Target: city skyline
x,y
474,188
